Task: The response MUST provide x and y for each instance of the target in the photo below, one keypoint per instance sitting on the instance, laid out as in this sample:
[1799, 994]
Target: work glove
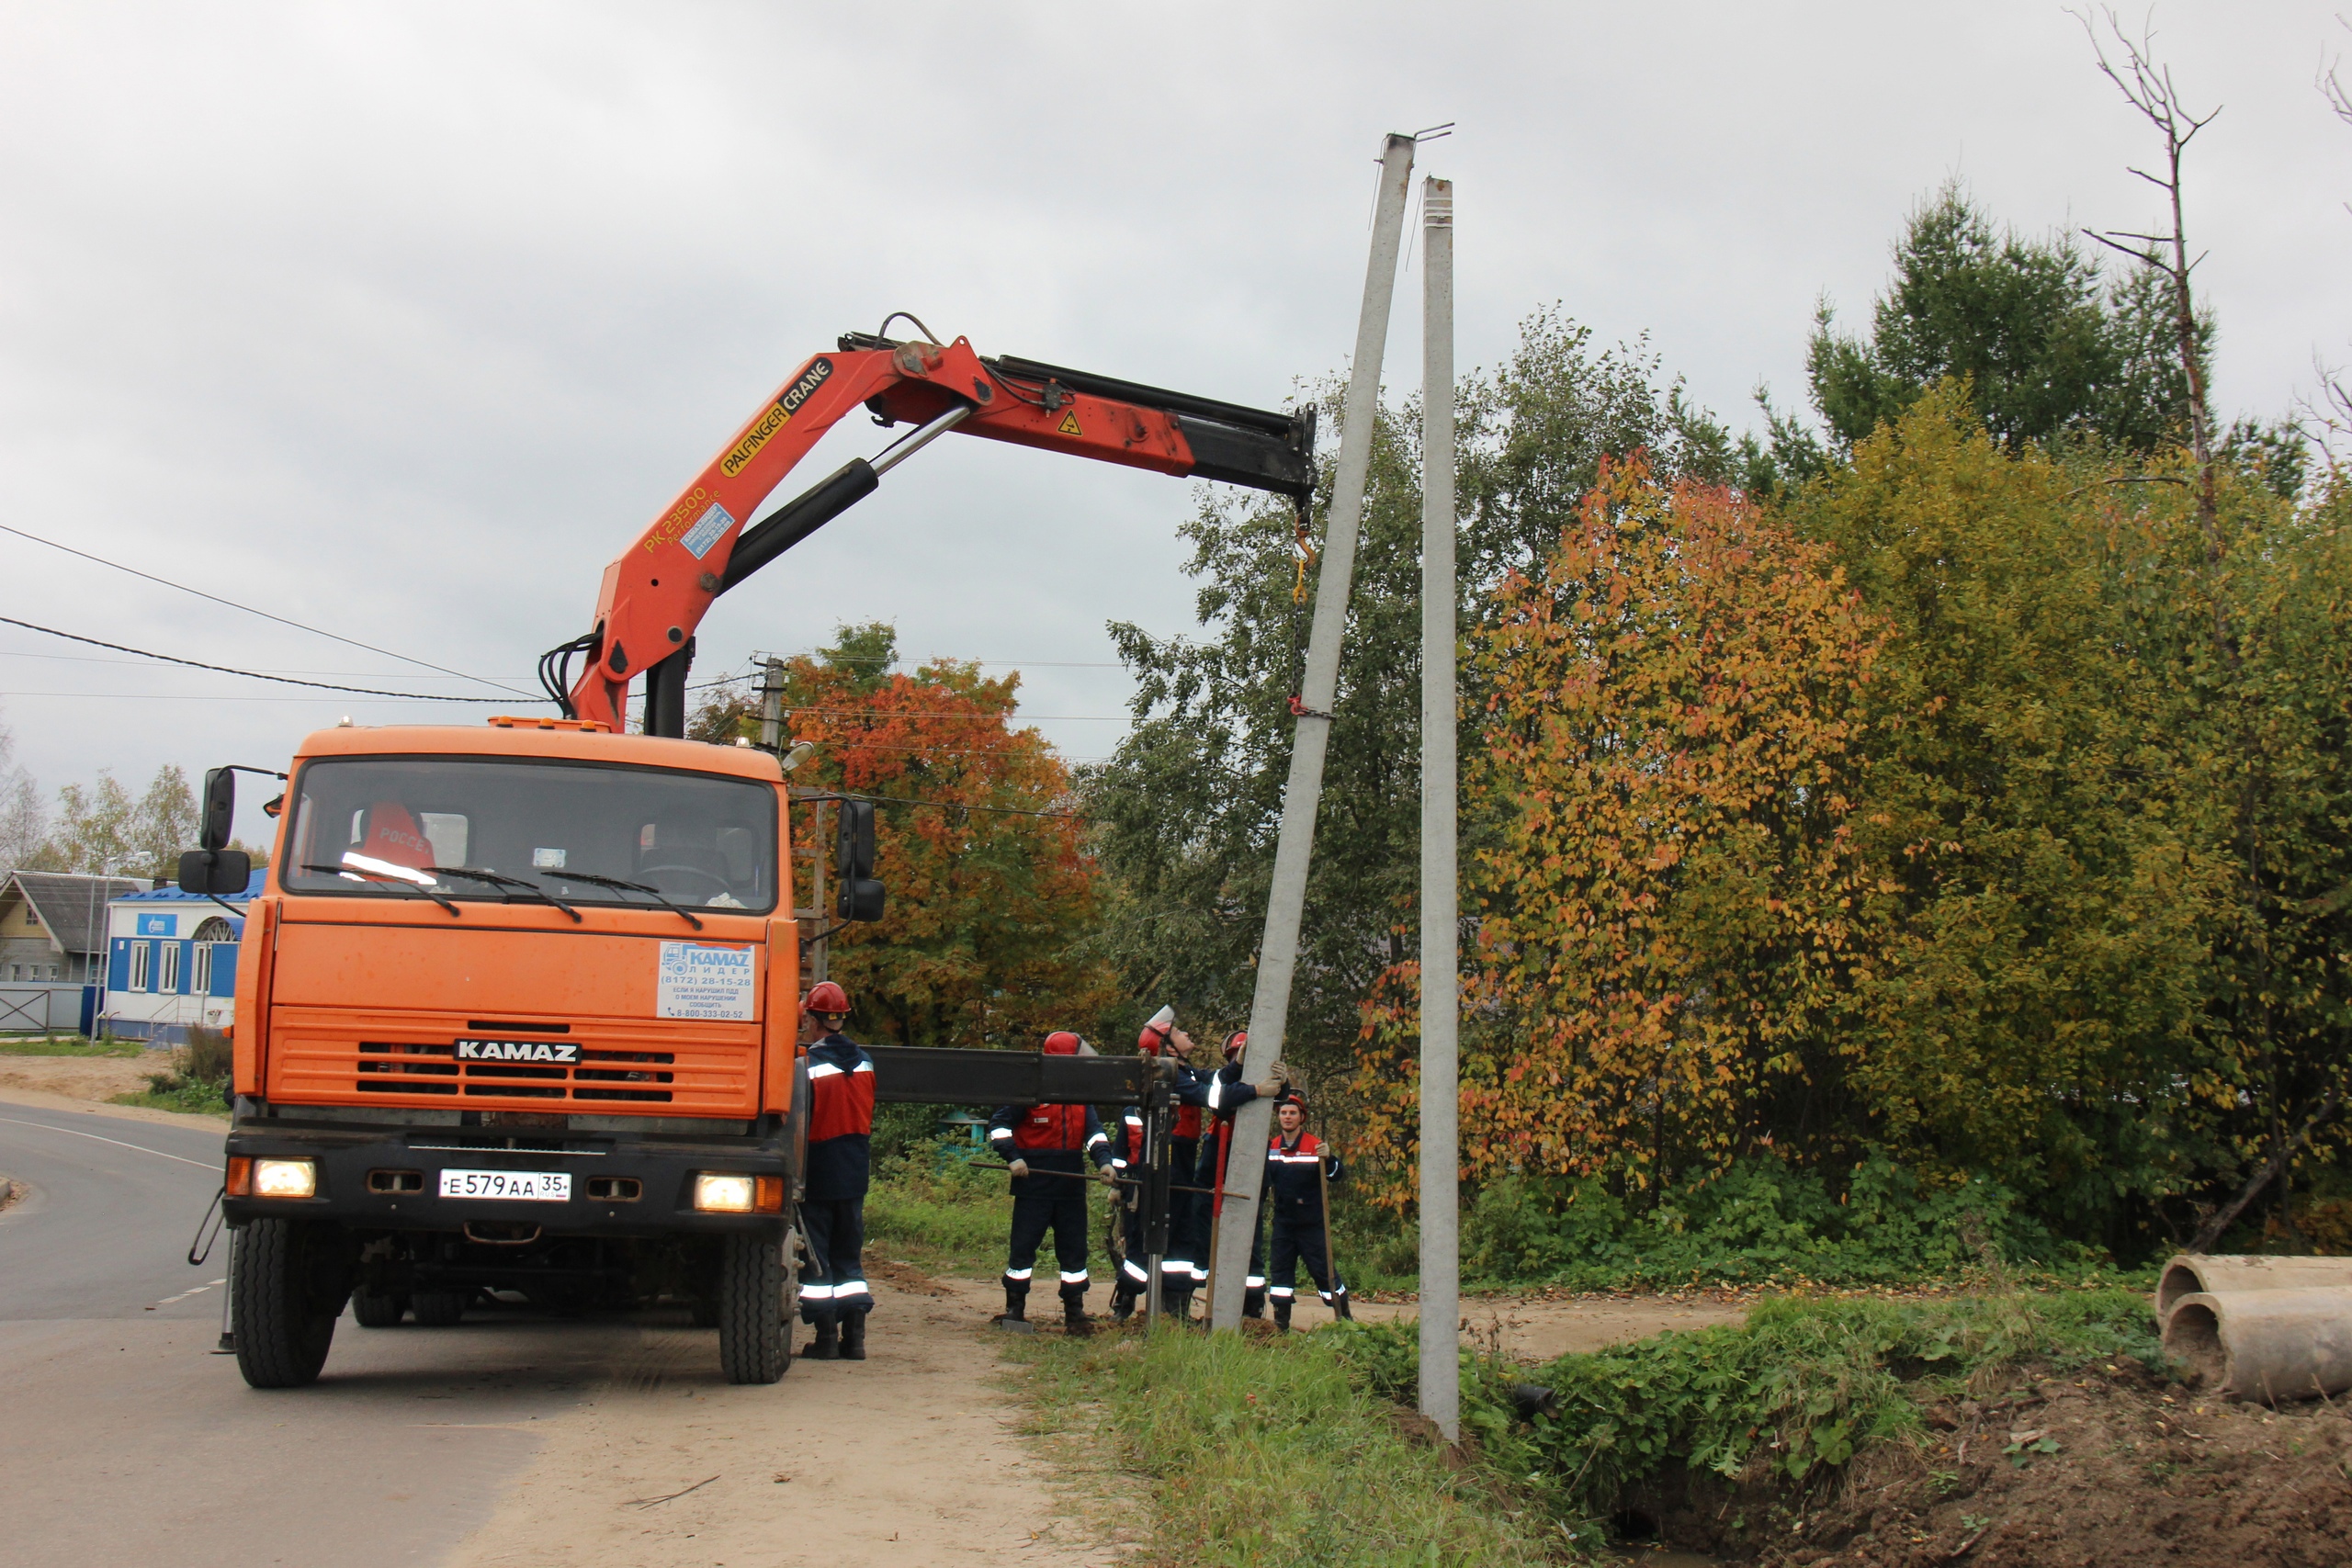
[1110, 1178]
[1269, 1089]
[1020, 1168]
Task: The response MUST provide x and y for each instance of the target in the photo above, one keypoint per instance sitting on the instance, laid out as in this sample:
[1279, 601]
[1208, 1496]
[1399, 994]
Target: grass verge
[69, 1045]
[935, 1211]
[202, 1097]
[1273, 1452]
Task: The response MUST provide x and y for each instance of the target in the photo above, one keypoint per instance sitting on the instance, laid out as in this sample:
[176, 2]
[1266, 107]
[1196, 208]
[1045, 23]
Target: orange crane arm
[659, 589]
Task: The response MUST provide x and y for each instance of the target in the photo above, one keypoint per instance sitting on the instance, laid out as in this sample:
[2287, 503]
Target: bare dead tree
[2326, 417]
[2148, 87]
[2339, 101]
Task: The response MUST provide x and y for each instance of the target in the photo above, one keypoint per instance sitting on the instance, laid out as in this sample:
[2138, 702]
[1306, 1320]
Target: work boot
[854, 1338]
[1123, 1306]
[1340, 1308]
[1177, 1306]
[1281, 1317]
[1075, 1322]
[1016, 1303]
[827, 1347]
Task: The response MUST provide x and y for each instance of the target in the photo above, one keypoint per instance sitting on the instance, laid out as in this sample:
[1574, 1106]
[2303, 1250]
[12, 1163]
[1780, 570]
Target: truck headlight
[285, 1178]
[721, 1194]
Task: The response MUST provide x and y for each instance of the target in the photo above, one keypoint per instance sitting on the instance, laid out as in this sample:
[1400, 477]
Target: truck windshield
[704, 842]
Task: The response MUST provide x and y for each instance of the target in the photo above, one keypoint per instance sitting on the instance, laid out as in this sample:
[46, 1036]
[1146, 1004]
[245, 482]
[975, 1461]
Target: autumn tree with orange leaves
[992, 892]
[1662, 858]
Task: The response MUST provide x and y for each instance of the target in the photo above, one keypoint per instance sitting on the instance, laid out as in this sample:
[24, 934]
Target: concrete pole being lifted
[1286, 899]
[1441, 1314]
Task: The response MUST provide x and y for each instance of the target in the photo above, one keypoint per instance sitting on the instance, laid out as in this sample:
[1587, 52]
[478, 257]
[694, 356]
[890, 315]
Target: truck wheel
[752, 1347]
[372, 1311]
[438, 1309]
[284, 1322]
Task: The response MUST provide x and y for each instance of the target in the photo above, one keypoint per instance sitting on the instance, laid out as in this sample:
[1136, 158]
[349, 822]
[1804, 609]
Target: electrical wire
[959, 806]
[249, 674]
[249, 610]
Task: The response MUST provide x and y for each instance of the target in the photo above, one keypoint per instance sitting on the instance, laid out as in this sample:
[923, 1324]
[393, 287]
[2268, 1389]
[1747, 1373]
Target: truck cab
[518, 1009]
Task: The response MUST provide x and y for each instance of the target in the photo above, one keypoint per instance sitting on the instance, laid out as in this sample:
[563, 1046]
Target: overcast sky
[403, 319]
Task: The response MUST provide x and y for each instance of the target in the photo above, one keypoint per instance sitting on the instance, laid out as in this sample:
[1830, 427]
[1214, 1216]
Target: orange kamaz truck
[518, 1009]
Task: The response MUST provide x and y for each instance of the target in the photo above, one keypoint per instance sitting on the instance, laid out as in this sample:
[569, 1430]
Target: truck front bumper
[390, 1179]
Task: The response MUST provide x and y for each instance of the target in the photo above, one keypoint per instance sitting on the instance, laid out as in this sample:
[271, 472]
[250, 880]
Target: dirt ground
[79, 1078]
[2138, 1471]
[910, 1457]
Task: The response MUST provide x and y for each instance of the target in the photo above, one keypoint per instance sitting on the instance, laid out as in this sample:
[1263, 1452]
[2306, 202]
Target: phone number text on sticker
[708, 980]
[525, 1186]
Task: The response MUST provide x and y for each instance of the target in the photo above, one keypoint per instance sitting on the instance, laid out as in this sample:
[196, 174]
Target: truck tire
[752, 1344]
[438, 1309]
[284, 1319]
[372, 1311]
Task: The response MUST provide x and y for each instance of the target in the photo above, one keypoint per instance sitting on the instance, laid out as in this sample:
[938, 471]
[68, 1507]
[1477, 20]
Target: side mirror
[220, 810]
[860, 899]
[215, 873]
[854, 846]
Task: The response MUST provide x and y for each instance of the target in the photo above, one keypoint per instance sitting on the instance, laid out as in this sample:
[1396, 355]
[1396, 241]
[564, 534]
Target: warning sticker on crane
[1069, 425]
[707, 531]
[702, 980]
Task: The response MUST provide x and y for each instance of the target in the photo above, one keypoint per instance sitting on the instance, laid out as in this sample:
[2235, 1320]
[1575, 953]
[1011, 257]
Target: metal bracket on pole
[1318, 692]
[1441, 1316]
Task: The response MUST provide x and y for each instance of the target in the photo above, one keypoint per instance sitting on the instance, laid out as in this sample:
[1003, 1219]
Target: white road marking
[185, 1294]
[118, 1142]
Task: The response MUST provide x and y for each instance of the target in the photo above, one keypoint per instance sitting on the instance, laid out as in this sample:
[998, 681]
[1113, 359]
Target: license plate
[528, 1186]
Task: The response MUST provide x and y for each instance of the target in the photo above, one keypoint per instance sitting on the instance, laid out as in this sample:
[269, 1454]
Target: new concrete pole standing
[1440, 1102]
[1286, 900]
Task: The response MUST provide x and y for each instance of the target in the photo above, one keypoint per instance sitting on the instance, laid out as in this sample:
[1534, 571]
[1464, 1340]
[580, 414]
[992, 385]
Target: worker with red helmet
[1185, 1270]
[833, 1296]
[1048, 1148]
[1227, 1094]
[1299, 1169]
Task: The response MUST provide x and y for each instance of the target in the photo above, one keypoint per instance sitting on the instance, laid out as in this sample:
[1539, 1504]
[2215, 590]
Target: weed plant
[197, 1080]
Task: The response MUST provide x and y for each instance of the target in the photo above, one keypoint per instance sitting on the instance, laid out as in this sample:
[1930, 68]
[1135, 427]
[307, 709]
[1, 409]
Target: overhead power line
[251, 675]
[264, 614]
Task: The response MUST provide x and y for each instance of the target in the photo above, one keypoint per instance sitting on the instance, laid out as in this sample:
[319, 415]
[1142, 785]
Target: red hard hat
[1235, 1041]
[1061, 1043]
[827, 998]
[1151, 1042]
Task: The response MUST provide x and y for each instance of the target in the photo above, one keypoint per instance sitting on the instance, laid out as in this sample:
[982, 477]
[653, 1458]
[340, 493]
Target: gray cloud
[403, 319]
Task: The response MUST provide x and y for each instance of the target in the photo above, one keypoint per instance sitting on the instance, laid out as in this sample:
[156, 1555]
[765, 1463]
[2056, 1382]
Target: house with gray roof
[52, 925]
[52, 940]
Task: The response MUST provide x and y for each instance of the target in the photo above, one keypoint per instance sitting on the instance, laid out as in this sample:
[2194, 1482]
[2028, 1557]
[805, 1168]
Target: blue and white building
[172, 961]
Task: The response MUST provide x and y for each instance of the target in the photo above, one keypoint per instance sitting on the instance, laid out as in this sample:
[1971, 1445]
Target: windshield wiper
[500, 879]
[652, 893]
[386, 880]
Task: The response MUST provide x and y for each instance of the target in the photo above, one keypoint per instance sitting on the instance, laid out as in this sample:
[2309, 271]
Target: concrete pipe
[2194, 1271]
[2264, 1345]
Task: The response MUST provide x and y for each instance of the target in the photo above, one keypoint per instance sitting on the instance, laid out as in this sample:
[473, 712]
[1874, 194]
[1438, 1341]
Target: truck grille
[317, 1056]
[424, 1068]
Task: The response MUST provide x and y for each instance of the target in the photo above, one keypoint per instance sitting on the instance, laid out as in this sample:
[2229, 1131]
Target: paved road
[124, 1440]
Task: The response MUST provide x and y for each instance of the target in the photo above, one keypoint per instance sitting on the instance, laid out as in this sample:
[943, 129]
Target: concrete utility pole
[1440, 1325]
[1286, 900]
